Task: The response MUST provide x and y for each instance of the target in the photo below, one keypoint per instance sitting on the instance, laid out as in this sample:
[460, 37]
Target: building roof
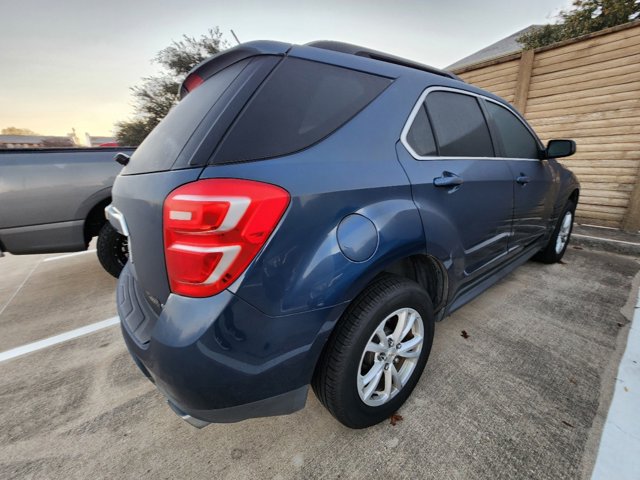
[44, 140]
[95, 141]
[101, 139]
[21, 138]
[502, 47]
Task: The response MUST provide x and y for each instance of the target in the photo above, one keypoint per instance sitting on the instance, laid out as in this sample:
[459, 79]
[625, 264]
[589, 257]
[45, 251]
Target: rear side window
[420, 136]
[163, 145]
[299, 104]
[517, 140]
[459, 125]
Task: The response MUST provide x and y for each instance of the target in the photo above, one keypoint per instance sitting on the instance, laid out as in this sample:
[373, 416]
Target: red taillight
[214, 228]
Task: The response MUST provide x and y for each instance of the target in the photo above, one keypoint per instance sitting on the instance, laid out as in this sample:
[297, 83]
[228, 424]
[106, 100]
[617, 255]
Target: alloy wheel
[564, 232]
[390, 357]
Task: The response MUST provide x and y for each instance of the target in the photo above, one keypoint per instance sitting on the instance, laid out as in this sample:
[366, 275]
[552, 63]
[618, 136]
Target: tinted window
[420, 136]
[300, 103]
[161, 147]
[517, 141]
[459, 125]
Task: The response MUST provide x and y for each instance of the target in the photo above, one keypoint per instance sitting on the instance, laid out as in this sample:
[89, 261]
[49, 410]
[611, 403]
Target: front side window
[459, 125]
[517, 140]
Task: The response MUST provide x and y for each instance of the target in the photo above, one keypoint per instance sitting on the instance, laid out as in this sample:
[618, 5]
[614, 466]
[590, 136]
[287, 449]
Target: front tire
[112, 249]
[376, 354]
[554, 251]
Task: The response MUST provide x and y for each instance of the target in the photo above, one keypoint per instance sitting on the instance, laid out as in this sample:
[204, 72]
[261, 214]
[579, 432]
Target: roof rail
[376, 55]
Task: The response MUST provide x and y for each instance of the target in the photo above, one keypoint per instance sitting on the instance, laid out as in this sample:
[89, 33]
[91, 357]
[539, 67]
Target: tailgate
[139, 198]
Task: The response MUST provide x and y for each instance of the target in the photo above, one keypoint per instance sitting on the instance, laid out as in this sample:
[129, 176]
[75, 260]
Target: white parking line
[67, 255]
[590, 237]
[618, 455]
[4, 307]
[63, 337]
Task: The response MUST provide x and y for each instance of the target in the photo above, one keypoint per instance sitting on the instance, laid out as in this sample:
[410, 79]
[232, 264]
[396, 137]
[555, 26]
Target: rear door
[464, 193]
[532, 177]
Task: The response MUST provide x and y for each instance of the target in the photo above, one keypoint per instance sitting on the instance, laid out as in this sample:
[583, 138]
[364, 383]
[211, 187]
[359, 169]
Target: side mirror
[122, 158]
[560, 148]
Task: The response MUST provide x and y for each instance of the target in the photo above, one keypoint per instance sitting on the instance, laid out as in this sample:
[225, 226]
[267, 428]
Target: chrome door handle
[523, 179]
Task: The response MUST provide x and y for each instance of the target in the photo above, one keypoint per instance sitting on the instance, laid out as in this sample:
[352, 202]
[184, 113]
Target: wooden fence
[587, 89]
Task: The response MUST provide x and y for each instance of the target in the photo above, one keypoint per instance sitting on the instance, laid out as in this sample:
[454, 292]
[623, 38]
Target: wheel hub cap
[390, 356]
[564, 232]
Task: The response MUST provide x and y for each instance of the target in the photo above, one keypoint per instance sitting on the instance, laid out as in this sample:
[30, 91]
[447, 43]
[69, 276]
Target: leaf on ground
[573, 380]
[620, 324]
[577, 247]
[562, 262]
[568, 424]
[464, 334]
[626, 389]
[395, 418]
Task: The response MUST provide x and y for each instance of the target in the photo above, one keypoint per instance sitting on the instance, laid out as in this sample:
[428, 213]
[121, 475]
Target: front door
[532, 177]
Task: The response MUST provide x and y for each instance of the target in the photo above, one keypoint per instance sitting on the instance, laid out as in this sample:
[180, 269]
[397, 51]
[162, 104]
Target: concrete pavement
[524, 396]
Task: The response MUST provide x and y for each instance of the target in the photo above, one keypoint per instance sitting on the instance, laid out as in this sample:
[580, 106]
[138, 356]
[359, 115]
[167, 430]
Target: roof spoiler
[222, 60]
[376, 55]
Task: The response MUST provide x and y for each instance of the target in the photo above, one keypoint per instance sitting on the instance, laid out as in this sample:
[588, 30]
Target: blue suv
[304, 216]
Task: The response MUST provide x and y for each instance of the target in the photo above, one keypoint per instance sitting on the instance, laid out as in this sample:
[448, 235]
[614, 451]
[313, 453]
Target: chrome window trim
[423, 97]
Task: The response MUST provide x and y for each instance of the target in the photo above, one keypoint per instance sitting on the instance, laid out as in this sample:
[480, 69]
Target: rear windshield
[163, 145]
[299, 104]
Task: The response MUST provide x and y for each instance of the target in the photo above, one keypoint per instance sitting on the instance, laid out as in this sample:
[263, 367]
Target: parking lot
[525, 395]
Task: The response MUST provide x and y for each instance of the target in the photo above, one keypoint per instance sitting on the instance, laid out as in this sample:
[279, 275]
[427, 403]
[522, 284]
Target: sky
[70, 64]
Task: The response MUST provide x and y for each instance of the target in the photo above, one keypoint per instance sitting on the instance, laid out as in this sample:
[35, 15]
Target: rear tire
[559, 241]
[112, 249]
[362, 377]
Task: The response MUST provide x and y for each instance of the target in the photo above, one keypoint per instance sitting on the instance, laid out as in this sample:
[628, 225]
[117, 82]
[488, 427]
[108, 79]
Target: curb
[605, 244]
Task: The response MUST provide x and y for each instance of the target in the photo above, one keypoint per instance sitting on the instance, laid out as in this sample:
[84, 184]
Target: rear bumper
[219, 359]
[282, 404]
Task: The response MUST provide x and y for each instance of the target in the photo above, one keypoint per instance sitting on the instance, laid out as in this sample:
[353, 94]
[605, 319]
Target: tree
[17, 131]
[586, 16]
[157, 94]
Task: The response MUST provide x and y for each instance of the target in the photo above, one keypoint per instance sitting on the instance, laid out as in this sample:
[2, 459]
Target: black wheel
[113, 250]
[554, 251]
[374, 358]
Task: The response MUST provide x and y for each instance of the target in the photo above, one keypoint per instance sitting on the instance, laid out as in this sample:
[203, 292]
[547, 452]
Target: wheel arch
[95, 219]
[427, 271]
[575, 195]
[420, 267]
